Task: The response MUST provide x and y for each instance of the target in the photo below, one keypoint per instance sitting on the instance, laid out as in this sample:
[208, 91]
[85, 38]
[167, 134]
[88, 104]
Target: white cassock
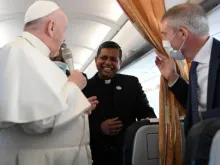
[42, 116]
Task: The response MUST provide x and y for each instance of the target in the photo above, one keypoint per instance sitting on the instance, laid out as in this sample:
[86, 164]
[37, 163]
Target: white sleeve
[77, 105]
[170, 85]
[6, 124]
[39, 127]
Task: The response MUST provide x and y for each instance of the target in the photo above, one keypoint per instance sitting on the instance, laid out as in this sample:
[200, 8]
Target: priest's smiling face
[108, 62]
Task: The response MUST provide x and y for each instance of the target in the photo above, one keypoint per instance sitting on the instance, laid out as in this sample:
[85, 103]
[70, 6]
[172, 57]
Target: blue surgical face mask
[61, 65]
[175, 54]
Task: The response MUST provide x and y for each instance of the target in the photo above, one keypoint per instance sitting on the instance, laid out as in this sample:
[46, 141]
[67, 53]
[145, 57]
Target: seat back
[214, 158]
[199, 141]
[142, 146]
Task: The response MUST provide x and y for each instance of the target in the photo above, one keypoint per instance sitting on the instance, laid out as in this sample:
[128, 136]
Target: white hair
[190, 16]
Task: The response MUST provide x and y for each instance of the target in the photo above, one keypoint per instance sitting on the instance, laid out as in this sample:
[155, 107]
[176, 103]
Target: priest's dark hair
[110, 44]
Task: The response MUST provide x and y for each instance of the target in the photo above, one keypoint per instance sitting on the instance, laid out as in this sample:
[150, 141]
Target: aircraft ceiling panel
[171, 3]
[87, 32]
[14, 6]
[108, 9]
[9, 29]
[213, 16]
[129, 39]
[214, 21]
[80, 55]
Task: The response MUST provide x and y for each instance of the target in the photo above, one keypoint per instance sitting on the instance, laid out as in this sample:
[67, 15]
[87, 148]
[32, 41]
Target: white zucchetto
[40, 9]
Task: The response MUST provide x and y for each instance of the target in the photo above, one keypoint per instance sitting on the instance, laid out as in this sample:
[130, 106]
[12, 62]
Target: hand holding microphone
[76, 76]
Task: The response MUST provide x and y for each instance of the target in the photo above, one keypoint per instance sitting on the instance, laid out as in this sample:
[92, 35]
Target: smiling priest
[43, 117]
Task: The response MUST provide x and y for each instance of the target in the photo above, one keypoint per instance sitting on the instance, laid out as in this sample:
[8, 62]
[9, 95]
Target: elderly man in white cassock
[42, 112]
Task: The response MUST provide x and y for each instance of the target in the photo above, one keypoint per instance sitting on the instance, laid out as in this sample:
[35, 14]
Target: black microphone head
[66, 53]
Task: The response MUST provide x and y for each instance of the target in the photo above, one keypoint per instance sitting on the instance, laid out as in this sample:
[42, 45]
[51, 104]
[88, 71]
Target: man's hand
[111, 126]
[78, 78]
[167, 67]
[93, 101]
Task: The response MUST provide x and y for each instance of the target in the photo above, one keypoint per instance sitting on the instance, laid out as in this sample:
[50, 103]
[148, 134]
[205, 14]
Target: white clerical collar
[107, 81]
[36, 42]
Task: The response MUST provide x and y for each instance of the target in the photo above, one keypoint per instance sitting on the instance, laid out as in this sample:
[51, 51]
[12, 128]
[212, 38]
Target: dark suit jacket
[129, 103]
[181, 89]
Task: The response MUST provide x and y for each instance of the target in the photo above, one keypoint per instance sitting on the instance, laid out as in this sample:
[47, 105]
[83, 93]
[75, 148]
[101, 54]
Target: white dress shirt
[203, 58]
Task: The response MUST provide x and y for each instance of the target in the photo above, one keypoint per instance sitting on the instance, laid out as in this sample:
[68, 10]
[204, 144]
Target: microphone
[68, 58]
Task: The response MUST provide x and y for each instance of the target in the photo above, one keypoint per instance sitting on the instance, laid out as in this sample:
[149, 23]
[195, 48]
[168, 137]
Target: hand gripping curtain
[146, 16]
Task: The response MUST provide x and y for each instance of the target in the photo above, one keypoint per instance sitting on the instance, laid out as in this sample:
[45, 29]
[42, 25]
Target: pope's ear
[51, 28]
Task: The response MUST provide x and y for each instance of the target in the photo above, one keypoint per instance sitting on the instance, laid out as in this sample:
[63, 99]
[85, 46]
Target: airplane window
[149, 76]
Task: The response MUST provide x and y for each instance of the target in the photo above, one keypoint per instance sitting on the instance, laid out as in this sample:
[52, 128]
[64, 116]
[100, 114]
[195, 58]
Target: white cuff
[170, 85]
[38, 127]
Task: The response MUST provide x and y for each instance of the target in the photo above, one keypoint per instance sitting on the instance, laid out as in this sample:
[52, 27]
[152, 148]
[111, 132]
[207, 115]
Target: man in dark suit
[193, 42]
[185, 33]
[121, 102]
